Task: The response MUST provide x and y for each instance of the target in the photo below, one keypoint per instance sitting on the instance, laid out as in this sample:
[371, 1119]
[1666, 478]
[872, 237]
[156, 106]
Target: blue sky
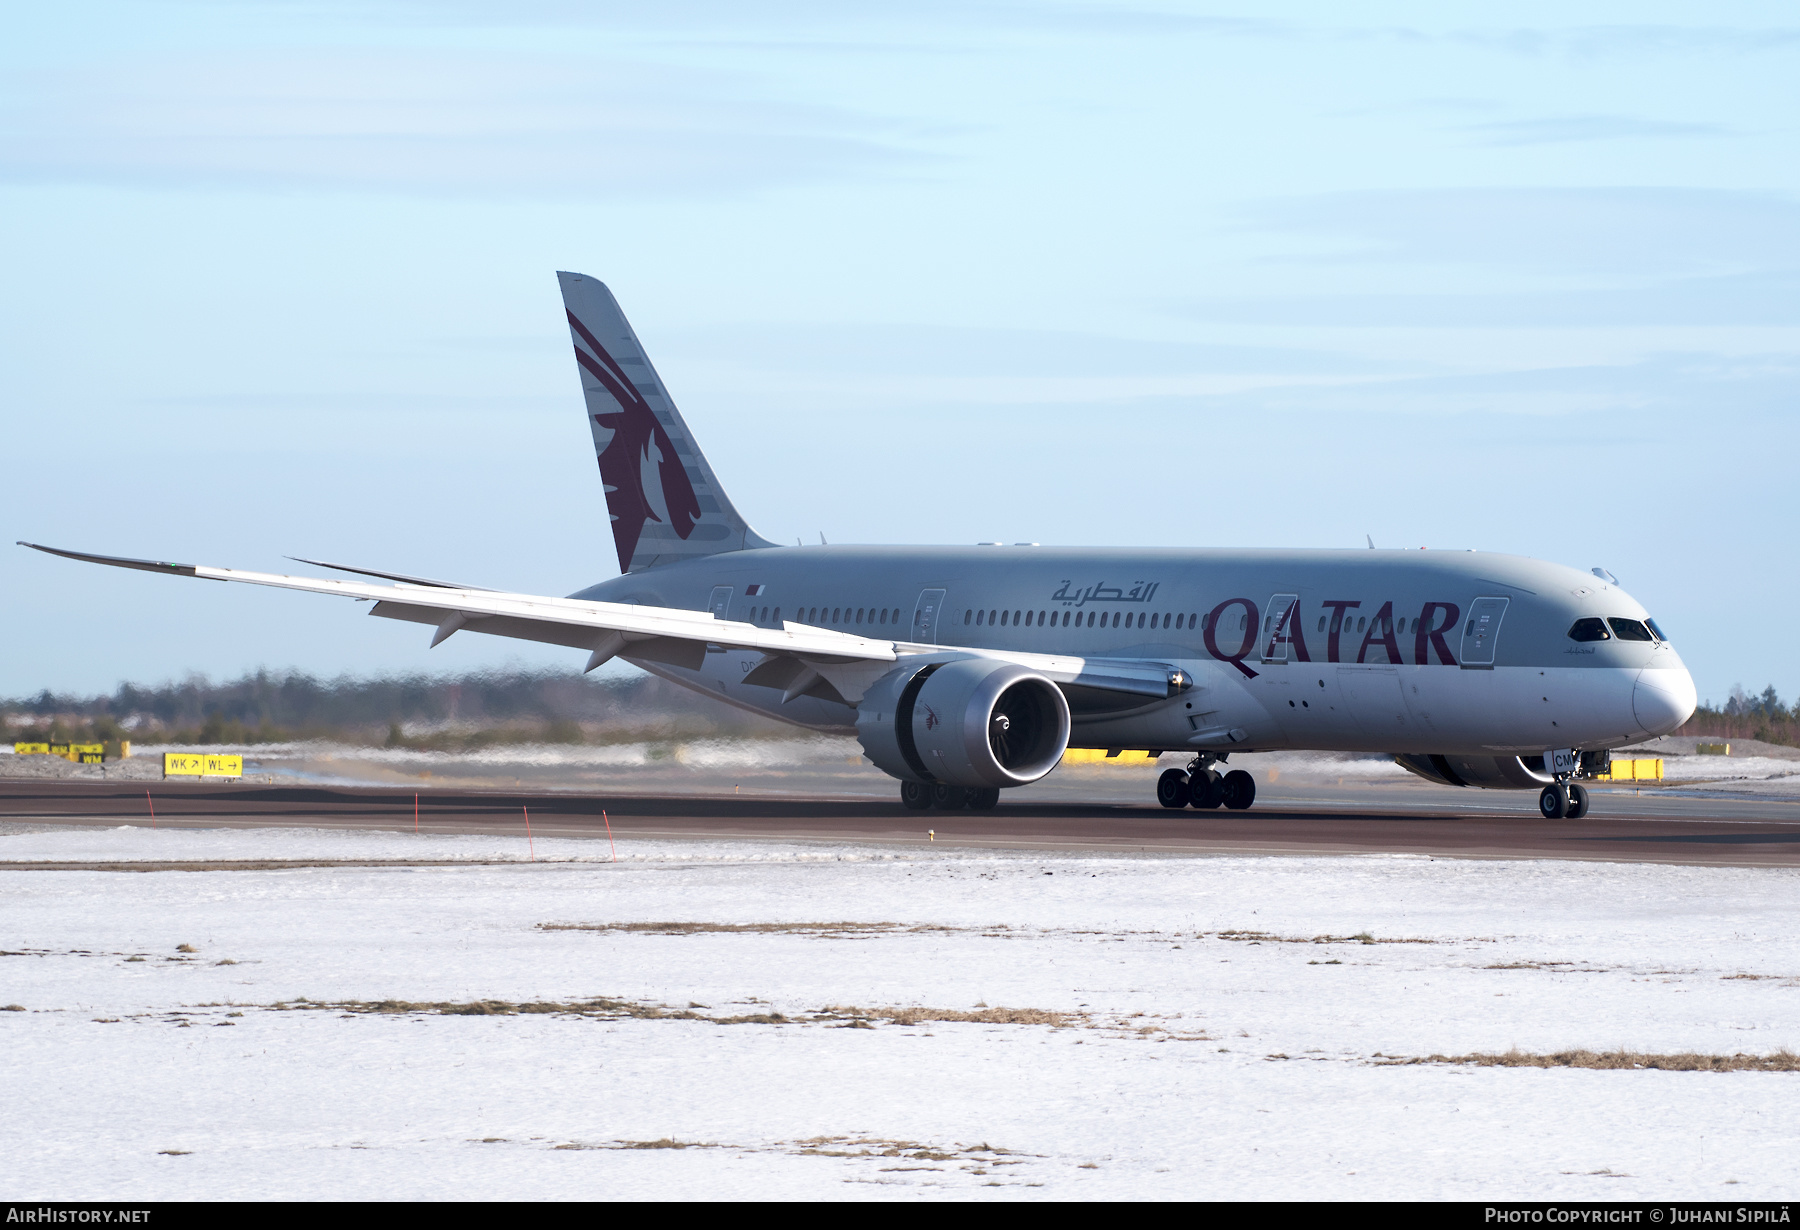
[279, 279]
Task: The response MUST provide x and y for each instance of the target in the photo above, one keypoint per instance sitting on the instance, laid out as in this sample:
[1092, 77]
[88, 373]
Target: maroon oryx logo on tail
[646, 479]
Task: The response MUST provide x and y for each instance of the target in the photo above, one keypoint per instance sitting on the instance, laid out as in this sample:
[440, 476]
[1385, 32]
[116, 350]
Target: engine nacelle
[973, 722]
[1488, 772]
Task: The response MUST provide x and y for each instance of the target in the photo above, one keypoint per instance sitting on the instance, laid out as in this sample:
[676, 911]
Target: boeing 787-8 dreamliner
[964, 671]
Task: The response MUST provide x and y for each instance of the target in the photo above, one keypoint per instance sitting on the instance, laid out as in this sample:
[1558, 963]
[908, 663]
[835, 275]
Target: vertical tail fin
[666, 504]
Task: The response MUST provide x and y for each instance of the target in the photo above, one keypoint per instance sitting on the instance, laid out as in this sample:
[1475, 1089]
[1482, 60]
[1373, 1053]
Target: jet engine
[1488, 772]
[972, 722]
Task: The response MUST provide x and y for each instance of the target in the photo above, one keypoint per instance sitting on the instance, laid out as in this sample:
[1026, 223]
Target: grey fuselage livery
[1374, 651]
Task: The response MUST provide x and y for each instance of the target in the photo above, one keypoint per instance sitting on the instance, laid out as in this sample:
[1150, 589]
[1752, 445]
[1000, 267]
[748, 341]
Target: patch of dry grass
[1269, 937]
[770, 928]
[603, 1008]
[1621, 1060]
[978, 1016]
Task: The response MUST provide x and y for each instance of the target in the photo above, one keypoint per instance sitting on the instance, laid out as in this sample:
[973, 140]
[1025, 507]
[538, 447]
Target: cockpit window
[1630, 629]
[1660, 634]
[1589, 630]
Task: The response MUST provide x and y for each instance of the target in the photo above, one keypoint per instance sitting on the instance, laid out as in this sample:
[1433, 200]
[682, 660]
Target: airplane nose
[1663, 699]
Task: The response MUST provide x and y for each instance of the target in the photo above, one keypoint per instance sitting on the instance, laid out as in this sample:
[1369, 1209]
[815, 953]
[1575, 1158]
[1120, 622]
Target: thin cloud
[1566, 128]
[432, 123]
[1635, 234]
[1753, 300]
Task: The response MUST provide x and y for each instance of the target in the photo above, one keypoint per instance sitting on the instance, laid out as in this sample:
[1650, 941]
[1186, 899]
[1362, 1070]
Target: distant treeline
[439, 711]
[1743, 716]
[451, 712]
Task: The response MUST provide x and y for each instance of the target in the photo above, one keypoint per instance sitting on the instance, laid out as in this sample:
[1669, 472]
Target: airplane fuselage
[1430, 652]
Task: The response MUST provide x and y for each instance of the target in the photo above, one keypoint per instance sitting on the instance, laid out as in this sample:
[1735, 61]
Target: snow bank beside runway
[1129, 1026]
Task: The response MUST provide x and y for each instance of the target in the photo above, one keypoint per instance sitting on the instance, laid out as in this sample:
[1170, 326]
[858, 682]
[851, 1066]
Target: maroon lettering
[1381, 628]
[1252, 619]
[1424, 631]
[1338, 606]
[1287, 631]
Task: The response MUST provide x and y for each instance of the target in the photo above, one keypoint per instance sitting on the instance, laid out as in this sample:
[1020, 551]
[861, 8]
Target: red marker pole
[609, 840]
[528, 842]
[147, 799]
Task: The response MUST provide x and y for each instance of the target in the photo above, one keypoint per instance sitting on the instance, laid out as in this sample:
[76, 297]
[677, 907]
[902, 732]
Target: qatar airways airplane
[964, 671]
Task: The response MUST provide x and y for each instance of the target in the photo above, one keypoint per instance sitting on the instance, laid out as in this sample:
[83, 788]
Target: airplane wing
[605, 629]
[663, 634]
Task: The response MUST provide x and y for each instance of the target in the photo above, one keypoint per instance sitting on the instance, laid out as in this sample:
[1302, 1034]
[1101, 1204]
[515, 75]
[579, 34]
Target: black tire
[1578, 801]
[1204, 792]
[984, 800]
[1553, 802]
[1239, 789]
[915, 795]
[1172, 789]
[946, 797]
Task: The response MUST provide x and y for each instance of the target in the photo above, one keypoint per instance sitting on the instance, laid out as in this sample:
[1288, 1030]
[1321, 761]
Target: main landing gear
[1563, 801]
[1200, 786]
[918, 796]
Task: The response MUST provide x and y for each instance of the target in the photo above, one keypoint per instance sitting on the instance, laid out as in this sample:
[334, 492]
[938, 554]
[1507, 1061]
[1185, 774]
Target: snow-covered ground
[1179, 1027]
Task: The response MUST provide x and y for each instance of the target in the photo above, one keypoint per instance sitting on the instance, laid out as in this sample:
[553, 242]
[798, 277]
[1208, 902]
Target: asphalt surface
[1622, 825]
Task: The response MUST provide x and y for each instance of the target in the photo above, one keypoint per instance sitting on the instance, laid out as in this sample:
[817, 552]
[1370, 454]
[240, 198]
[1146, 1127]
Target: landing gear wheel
[1578, 801]
[1554, 802]
[1172, 789]
[1203, 790]
[915, 795]
[1239, 789]
[949, 798]
[984, 800]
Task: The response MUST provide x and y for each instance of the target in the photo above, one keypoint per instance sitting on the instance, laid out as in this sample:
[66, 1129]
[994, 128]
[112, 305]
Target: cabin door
[1481, 631]
[1283, 612]
[720, 602]
[927, 615]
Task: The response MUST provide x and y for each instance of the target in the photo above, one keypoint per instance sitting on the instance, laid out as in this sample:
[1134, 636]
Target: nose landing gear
[1563, 801]
[1200, 787]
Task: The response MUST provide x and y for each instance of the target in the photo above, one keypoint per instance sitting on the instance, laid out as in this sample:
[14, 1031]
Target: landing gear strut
[1199, 786]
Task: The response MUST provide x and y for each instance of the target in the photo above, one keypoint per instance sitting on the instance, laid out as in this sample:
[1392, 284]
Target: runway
[1311, 820]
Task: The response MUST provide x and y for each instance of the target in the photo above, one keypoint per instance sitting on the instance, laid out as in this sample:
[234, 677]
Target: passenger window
[1321, 623]
[1090, 622]
[993, 616]
[777, 614]
[1630, 630]
[1589, 630]
[835, 612]
[968, 617]
[859, 614]
[1360, 624]
[1140, 619]
[765, 615]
